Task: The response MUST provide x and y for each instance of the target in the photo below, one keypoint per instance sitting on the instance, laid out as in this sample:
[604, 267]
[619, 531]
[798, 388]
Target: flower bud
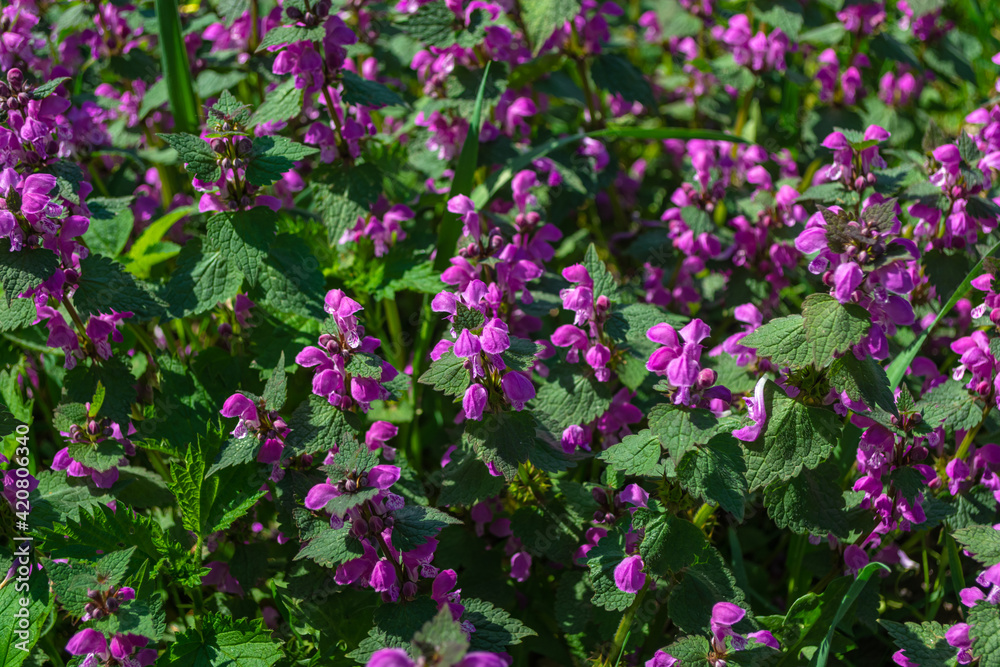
[359, 528]
[598, 516]
[859, 183]
[23, 98]
[72, 276]
[409, 590]
[350, 486]
[294, 13]
[15, 78]
[706, 378]
[244, 146]
[4, 90]
[309, 19]
[376, 525]
[219, 146]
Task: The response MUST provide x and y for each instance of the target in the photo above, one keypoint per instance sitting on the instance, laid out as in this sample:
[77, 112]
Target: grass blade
[451, 228]
[823, 652]
[897, 369]
[176, 70]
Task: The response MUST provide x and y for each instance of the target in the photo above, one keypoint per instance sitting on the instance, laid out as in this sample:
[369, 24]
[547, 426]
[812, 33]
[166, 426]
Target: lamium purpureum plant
[479, 334]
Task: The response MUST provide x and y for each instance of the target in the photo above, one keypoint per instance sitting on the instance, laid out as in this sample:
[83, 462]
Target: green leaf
[415, 524]
[111, 223]
[330, 547]
[368, 93]
[194, 151]
[795, 436]
[119, 392]
[637, 454]
[602, 561]
[983, 542]
[101, 456]
[176, 69]
[680, 429]
[450, 229]
[823, 652]
[432, 24]
[235, 452]
[985, 634]
[567, 397]
[200, 281]
[395, 625]
[923, 643]
[705, 583]
[142, 251]
[951, 405]
[832, 327]
[101, 529]
[897, 369]
[789, 22]
[316, 426]
[17, 314]
[496, 629]
[783, 340]
[448, 374]
[604, 282]
[344, 195]
[863, 380]
[505, 439]
[24, 269]
[810, 503]
[544, 17]
[273, 156]
[280, 104]
[716, 472]
[105, 286]
[468, 481]
[290, 279]
[614, 73]
[223, 641]
[243, 237]
[670, 544]
[15, 647]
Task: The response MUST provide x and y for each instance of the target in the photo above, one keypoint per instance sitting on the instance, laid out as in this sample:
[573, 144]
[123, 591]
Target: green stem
[625, 627]
[705, 513]
[396, 331]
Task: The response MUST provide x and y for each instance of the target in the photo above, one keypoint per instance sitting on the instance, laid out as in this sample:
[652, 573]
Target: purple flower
[517, 388]
[958, 636]
[661, 659]
[629, 576]
[756, 411]
[474, 401]
[240, 406]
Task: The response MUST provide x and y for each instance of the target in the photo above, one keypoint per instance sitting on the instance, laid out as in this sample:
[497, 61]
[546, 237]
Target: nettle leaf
[280, 104]
[395, 625]
[716, 472]
[811, 503]
[496, 629]
[415, 524]
[436, 25]
[863, 380]
[882, 216]
[680, 429]
[223, 640]
[795, 436]
[24, 269]
[983, 542]
[467, 481]
[111, 222]
[467, 318]
[352, 458]
[289, 34]
[448, 375]
[783, 340]
[329, 547]
[604, 282]
[637, 454]
[17, 599]
[951, 405]
[922, 643]
[704, 583]
[197, 154]
[520, 356]
[70, 582]
[243, 238]
[100, 456]
[16, 314]
[445, 635]
[368, 93]
[985, 634]
[200, 280]
[567, 397]
[544, 17]
[100, 529]
[290, 279]
[344, 195]
[236, 451]
[276, 388]
[119, 393]
[614, 73]
[273, 156]
[316, 426]
[505, 439]
[789, 22]
[229, 108]
[602, 561]
[832, 327]
[105, 286]
[670, 544]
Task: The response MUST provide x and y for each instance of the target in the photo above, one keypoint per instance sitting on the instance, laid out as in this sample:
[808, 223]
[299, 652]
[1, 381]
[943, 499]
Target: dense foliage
[491, 332]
